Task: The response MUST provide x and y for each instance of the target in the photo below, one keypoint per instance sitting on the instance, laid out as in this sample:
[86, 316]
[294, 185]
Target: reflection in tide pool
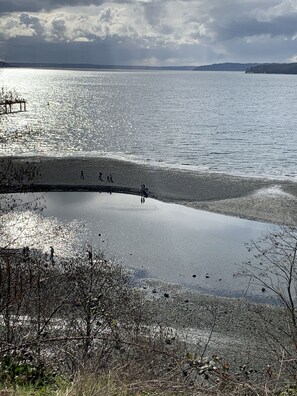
[169, 242]
[165, 241]
[32, 230]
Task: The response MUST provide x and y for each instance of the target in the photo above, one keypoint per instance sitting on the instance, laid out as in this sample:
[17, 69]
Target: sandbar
[269, 200]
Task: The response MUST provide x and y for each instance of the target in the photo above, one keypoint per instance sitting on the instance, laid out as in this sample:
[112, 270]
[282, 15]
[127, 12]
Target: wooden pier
[7, 106]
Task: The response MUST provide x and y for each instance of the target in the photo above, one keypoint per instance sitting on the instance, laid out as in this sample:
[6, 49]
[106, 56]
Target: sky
[148, 32]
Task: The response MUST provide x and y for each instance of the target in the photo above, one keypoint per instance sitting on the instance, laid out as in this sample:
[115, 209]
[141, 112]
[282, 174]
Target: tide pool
[169, 242]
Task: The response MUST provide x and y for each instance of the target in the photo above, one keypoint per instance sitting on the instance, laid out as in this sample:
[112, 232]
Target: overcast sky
[148, 32]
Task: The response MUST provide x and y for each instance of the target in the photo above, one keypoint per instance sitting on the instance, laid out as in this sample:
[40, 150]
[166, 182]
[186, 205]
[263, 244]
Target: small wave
[273, 191]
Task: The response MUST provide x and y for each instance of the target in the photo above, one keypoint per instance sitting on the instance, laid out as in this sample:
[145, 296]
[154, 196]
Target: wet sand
[273, 201]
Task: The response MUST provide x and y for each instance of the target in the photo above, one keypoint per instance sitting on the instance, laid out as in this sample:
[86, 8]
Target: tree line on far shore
[274, 68]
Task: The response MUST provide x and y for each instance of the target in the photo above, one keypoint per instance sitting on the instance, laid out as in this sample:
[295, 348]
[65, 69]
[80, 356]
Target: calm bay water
[167, 242]
[224, 122]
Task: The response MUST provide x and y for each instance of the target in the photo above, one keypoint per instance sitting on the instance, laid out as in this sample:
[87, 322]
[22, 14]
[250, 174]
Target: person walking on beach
[90, 255]
[52, 253]
[26, 251]
[143, 191]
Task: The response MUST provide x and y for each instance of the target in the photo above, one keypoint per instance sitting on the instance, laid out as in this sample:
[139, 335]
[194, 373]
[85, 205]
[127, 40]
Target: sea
[227, 122]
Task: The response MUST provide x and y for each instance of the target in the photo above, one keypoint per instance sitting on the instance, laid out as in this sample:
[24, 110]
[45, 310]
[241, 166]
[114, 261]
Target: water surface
[168, 242]
[212, 121]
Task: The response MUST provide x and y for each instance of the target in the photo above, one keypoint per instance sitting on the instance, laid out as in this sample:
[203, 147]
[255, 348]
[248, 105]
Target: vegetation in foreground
[77, 327]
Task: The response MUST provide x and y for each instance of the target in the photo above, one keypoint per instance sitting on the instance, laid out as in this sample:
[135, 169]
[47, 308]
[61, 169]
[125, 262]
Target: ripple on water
[233, 125]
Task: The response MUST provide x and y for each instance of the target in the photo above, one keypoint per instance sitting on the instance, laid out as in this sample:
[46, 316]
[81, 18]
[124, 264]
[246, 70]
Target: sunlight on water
[38, 232]
[222, 122]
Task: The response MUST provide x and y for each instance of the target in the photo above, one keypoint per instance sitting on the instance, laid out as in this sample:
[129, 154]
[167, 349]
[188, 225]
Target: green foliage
[289, 391]
[20, 368]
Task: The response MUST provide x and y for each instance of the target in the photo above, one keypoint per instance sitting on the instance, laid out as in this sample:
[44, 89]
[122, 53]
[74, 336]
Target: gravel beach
[234, 329]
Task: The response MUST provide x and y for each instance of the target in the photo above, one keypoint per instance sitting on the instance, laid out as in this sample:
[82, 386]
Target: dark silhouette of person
[143, 191]
[100, 176]
[52, 253]
[82, 176]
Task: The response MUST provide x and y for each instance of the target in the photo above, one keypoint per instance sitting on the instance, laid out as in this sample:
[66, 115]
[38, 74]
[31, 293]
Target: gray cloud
[105, 52]
[249, 24]
[148, 31]
[108, 51]
[7, 6]
[152, 13]
[32, 22]
[58, 29]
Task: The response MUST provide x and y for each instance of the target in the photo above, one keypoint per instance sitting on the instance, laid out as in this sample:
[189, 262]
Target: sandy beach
[273, 201]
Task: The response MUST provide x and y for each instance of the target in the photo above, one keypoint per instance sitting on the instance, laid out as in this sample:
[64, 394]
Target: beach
[227, 325]
[268, 200]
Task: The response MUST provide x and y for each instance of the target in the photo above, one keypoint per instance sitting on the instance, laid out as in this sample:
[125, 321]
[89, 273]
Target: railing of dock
[11, 102]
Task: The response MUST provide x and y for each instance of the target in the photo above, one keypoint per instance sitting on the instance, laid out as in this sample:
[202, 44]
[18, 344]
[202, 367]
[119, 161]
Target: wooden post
[7, 106]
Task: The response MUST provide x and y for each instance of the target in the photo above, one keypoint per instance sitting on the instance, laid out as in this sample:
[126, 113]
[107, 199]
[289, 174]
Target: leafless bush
[272, 269]
[84, 305]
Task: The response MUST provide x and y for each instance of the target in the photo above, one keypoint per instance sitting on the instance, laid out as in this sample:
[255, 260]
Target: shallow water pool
[169, 242]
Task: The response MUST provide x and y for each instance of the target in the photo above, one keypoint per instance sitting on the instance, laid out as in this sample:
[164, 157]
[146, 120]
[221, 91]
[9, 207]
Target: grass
[124, 381]
[91, 385]
[112, 385]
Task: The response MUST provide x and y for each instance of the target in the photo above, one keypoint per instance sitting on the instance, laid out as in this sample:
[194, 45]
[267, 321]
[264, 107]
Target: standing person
[52, 253]
[90, 254]
[82, 176]
[143, 191]
[100, 176]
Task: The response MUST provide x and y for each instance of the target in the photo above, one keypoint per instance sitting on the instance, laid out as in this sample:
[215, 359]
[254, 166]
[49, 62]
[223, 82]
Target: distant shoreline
[266, 68]
[273, 201]
[274, 68]
[86, 66]
[226, 66]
